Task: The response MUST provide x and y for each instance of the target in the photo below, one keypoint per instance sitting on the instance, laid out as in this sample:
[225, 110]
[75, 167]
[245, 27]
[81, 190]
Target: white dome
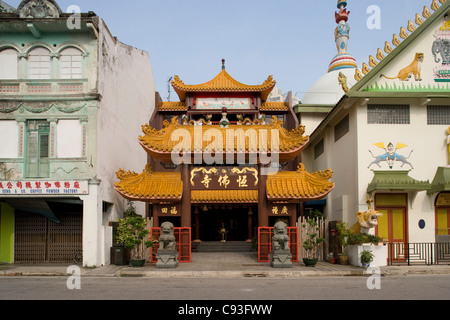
[327, 90]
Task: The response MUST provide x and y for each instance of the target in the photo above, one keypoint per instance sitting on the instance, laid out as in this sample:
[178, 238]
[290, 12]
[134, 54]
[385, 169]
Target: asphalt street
[417, 287]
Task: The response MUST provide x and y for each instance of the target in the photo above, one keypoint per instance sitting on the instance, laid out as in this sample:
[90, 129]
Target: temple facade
[223, 156]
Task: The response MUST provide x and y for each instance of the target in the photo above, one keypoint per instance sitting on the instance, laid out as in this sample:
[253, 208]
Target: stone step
[233, 246]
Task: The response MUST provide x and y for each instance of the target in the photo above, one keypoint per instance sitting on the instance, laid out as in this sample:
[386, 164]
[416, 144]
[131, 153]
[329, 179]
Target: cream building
[386, 138]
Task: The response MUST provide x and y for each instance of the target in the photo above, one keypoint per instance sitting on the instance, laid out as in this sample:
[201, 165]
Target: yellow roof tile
[224, 196]
[150, 186]
[290, 186]
[223, 82]
[159, 144]
[274, 106]
[172, 106]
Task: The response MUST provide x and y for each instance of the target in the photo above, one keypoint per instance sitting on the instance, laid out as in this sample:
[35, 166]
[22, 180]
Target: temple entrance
[234, 219]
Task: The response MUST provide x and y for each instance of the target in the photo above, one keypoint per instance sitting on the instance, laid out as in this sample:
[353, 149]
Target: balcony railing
[43, 87]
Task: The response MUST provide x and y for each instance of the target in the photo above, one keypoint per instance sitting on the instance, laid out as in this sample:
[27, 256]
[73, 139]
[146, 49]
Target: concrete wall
[127, 87]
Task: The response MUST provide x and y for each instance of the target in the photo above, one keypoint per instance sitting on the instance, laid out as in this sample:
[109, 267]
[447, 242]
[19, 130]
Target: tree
[131, 232]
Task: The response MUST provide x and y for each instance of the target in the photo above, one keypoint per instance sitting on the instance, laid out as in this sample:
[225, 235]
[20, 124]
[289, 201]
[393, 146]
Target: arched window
[8, 64]
[39, 64]
[71, 63]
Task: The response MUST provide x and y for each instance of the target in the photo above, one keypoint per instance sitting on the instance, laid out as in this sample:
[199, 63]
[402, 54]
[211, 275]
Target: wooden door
[443, 221]
[392, 225]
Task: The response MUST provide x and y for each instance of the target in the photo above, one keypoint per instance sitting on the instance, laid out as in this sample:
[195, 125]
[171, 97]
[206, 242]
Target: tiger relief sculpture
[415, 68]
[366, 221]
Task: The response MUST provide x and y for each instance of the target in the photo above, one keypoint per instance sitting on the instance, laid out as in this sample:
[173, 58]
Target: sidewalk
[219, 265]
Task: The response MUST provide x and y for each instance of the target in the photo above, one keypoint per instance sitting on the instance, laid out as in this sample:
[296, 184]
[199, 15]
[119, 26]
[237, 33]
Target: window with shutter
[39, 64]
[8, 64]
[38, 165]
[71, 64]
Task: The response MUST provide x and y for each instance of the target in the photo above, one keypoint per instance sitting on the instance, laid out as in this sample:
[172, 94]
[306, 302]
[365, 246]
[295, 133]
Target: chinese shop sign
[224, 178]
[169, 210]
[27, 187]
[282, 210]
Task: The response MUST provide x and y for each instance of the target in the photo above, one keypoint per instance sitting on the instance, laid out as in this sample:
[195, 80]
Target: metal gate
[418, 253]
[183, 243]
[265, 243]
[39, 240]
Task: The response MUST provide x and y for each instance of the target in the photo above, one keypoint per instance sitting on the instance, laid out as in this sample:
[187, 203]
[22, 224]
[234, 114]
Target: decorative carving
[415, 68]
[167, 255]
[343, 82]
[281, 254]
[39, 9]
[167, 238]
[366, 220]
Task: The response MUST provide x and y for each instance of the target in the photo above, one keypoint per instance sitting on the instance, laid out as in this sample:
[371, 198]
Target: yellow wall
[6, 233]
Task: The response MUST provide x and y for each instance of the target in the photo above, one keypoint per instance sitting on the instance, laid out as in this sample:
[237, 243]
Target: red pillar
[263, 203]
[186, 220]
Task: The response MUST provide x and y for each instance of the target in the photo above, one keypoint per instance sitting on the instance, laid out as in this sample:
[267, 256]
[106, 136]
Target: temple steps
[232, 246]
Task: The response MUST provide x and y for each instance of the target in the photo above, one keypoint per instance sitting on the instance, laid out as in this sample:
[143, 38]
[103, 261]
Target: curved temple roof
[167, 187]
[150, 186]
[223, 82]
[175, 138]
[299, 185]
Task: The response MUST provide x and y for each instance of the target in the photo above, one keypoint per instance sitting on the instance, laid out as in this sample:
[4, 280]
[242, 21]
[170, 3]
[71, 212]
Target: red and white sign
[29, 187]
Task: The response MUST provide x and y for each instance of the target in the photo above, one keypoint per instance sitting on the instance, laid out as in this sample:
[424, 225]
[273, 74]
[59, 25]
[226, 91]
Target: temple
[224, 156]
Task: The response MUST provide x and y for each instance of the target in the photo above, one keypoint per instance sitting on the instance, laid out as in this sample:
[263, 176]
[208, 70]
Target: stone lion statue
[167, 238]
[366, 221]
[280, 239]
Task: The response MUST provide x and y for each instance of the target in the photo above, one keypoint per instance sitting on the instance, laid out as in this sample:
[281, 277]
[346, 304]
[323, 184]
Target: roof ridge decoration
[396, 40]
[343, 59]
[223, 82]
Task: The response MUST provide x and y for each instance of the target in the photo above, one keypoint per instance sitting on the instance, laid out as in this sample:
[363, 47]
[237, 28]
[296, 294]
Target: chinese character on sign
[164, 210]
[67, 185]
[224, 181]
[9, 185]
[48, 185]
[38, 185]
[19, 184]
[275, 210]
[284, 211]
[76, 185]
[58, 184]
[174, 211]
[206, 181]
[242, 182]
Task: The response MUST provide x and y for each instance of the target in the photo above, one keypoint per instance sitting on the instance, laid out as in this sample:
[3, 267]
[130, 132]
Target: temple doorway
[235, 219]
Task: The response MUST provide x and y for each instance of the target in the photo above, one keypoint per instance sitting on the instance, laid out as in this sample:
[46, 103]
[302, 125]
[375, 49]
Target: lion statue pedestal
[281, 255]
[167, 255]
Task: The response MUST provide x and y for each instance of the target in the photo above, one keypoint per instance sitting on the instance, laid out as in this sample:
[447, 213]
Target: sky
[293, 40]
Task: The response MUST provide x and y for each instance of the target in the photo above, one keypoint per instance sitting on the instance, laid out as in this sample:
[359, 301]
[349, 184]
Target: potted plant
[344, 236]
[131, 232]
[312, 240]
[366, 257]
